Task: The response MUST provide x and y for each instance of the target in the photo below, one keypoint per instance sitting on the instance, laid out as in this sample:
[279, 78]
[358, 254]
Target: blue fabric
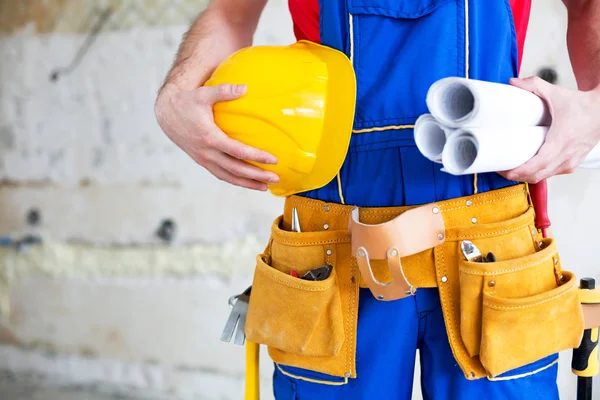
[399, 48]
[389, 335]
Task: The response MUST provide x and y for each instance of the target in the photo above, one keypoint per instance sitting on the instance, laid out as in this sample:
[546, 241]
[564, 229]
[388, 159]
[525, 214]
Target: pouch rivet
[556, 261]
[491, 283]
[326, 208]
[533, 232]
[326, 226]
[469, 203]
[436, 210]
[328, 252]
[444, 279]
[347, 374]
[474, 220]
[361, 253]
[380, 297]
[353, 279]
[393, 253]
[440, 236]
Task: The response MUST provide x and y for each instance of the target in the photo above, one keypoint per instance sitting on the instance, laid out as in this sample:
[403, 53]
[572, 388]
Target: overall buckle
[411, 232]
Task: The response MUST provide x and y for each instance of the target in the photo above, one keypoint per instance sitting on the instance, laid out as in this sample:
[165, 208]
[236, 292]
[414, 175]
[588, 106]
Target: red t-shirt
[305, 15]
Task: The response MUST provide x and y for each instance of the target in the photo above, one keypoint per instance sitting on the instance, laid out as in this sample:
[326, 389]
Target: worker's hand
[187, 119]
[574, 131]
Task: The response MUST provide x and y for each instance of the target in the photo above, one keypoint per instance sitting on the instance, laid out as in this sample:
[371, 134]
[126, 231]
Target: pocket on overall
[518, 310]
[294, 315]
[393, 92]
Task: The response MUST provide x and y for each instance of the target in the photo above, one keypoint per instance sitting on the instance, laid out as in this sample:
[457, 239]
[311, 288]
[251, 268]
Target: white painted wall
[105, 302]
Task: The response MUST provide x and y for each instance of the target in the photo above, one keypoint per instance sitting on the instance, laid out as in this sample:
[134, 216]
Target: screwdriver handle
[539, 198]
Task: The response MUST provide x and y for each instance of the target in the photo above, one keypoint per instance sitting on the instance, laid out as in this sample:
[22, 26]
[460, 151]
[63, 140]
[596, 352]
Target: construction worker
[350, 343]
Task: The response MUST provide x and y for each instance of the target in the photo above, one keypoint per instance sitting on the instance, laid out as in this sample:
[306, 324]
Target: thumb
[535, 85]
[223, 92]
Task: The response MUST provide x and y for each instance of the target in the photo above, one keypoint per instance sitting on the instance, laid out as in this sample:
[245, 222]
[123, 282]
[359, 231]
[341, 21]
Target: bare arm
[583, 41]
[575, 128]
[184, 107]
[223, 28]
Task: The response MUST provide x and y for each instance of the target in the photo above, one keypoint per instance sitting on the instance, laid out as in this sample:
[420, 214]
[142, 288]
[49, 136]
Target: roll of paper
[430, 137]
[468, 103]
[479, 150]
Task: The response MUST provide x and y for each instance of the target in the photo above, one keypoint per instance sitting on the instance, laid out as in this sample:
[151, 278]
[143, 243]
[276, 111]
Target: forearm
[217, 33]
[583, 41]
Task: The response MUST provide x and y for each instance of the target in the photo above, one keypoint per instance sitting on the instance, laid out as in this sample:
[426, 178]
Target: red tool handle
[539, 196]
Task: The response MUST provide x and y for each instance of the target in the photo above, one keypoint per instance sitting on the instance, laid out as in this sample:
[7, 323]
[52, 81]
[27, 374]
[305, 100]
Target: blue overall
[398, 49]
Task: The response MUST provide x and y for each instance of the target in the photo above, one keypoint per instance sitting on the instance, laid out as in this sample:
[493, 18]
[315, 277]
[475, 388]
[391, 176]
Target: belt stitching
[305, 204]
[449, 238]
[503, 271]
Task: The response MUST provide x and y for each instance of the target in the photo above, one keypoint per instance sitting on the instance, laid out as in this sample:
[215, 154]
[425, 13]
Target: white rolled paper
[430, 137]
[479, 150]
[464, 103]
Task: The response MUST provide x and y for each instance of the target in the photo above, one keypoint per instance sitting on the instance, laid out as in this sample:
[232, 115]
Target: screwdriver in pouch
[472, 253]
[295, 220]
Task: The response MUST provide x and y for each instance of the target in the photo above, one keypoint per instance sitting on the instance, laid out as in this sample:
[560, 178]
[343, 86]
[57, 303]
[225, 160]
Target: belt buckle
[398, 288]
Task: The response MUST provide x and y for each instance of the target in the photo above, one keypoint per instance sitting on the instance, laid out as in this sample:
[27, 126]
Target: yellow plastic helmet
[299, 106]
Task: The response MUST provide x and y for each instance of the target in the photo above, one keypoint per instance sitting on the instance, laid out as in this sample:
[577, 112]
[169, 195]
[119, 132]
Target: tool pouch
[301, 322]
[294, 315]
[519, 309]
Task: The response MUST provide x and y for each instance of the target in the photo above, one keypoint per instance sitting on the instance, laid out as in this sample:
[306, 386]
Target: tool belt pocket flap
[519, 331]
[519, 310]
[294, 315]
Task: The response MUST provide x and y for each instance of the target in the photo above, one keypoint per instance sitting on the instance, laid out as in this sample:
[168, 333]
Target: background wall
[141, 248]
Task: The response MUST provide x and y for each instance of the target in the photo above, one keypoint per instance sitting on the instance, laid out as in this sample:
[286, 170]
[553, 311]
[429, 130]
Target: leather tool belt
[498, 316]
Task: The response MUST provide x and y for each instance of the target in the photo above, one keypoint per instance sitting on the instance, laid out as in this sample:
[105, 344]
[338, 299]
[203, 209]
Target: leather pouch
[518, 310]
[294, 315]
[304, 323]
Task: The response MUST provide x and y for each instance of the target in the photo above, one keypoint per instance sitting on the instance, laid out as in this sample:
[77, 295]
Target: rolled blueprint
[478, 150]
[466, 103]
[430, 137]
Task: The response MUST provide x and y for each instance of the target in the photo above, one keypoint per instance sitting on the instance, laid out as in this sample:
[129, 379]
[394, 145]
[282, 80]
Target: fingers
[242, 151]
[218, 140]
[538, 168]
[228, 177]
[239, 168]
[535, 85]
[224, 92]
[213, 137]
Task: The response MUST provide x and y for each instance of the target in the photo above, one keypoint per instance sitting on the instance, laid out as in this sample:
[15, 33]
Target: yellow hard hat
[299, 106]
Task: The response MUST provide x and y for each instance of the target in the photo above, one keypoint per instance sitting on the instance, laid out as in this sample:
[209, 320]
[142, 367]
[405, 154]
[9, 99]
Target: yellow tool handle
[585, 358]
[252, 371]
